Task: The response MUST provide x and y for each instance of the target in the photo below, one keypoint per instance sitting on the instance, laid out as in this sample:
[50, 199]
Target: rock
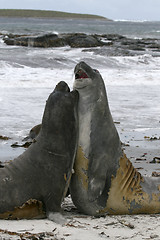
[48, 40]
[4, 138]
[155, 160]
[111, 44]
[112, 37]
[25, 145]
[9, 41]
[1, 165]
[74, 40]
[81, 40]
[154, 138]
[155, 174]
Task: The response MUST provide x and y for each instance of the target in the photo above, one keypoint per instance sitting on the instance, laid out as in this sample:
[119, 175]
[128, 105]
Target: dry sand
[75, 226]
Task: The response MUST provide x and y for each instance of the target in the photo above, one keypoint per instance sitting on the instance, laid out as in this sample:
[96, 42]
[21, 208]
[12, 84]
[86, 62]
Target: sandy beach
[78, 227]
[140, 134]
[72, 225]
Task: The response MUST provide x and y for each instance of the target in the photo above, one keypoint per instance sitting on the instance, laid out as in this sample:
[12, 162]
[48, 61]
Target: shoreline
[111, 44]
[141, 149]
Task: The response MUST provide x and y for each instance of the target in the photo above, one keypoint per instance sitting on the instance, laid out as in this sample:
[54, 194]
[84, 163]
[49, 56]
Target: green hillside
[45, 14]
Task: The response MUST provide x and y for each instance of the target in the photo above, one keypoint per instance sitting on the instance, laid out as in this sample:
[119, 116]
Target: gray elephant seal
[41, 175]
[36, 129]
[105, 180]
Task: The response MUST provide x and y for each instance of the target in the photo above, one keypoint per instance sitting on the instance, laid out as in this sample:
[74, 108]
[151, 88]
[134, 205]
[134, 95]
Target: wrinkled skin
[43, 171]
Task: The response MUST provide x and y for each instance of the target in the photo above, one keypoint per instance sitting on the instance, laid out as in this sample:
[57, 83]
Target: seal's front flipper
[97, 179]
[95, 189]
[32, 209]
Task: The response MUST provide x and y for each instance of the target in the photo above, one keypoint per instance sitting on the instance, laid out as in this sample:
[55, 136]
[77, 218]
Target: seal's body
[99, 147]
[43, 171]
[105, 180]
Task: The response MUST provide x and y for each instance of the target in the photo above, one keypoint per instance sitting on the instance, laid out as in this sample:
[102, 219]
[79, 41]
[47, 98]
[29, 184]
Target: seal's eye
[81, 74]
[96, 70]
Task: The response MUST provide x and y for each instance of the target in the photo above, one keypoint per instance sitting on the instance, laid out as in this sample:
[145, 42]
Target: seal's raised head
[83, 70]
[86, 76]
[60, 106]
[62, 86]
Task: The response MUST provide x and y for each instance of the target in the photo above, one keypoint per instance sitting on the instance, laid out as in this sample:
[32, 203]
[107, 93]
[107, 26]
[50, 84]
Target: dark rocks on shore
[114, 44]
[75, 40]
[48, 40]
[4, 138]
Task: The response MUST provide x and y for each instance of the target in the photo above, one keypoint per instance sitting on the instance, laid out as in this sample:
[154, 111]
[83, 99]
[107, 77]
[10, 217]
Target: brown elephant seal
[105, 180]
[41, 175]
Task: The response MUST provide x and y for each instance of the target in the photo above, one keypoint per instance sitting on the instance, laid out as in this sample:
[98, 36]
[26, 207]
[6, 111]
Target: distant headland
[46, 14]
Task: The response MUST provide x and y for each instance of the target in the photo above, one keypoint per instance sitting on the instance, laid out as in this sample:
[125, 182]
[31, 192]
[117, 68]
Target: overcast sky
[113, 9]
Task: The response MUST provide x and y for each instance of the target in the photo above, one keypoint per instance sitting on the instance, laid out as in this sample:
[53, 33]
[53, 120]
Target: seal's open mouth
[81, 74]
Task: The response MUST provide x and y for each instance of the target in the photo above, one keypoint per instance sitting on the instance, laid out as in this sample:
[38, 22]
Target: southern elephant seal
[105, 180]
[33, 133]
[41, 175]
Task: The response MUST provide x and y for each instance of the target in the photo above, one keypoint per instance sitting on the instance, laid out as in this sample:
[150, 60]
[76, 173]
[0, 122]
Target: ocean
[28, 75]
